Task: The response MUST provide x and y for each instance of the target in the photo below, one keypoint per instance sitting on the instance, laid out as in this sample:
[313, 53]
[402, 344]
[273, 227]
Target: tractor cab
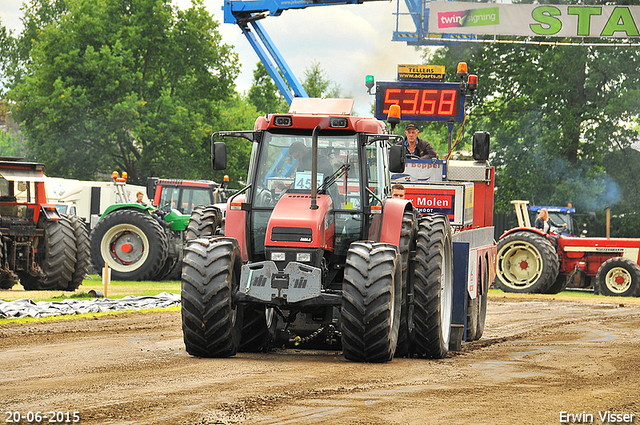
[319, 178]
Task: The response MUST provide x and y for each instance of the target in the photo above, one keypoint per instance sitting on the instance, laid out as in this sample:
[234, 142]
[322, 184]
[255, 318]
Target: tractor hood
[294, 224]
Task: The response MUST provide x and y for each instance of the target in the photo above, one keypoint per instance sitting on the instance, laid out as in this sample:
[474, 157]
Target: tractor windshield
[282, 162]
[285, 163]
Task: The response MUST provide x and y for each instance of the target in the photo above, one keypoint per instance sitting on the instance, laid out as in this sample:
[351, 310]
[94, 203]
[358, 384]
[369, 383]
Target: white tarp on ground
[27, 308]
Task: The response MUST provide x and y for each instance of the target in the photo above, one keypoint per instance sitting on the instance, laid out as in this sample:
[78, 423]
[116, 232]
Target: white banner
[533, 20]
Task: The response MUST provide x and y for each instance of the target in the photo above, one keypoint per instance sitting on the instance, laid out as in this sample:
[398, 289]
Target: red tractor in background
[530, 261]
[316, 252]
[41, 248]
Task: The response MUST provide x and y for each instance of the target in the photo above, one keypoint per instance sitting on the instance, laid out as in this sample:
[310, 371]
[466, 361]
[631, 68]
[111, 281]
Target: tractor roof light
[394, 116]
[226, 177]
[338, 122]
[283, 121]
[462, 69]
[472, 84]
[116, 177]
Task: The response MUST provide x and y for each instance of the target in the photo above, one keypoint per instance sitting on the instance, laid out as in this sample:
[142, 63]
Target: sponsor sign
[442, 202]
[420, 72]
[534, 20]
[422, 170]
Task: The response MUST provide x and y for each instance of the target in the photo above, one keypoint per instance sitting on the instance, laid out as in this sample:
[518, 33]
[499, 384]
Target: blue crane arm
[247, 15]
[237, 10]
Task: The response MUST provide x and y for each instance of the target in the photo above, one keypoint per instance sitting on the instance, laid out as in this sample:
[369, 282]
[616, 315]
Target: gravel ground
[541, 360]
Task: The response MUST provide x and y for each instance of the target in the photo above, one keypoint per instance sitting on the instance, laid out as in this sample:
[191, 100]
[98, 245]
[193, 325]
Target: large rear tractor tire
[526, 263]
[433, 287]
[619, 277]
[56, 258]
[205, 221]
[133, 244]
[211, 322]
[407, 244]
[83, 252]
[371, 302]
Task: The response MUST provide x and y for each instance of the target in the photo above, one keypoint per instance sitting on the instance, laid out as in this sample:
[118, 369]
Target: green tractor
[144, 242]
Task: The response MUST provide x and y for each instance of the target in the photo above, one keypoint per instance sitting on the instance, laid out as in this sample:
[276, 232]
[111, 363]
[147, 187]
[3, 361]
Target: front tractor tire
[619, 277]
[133, 244]
[211, 322]
[433, 287]
[526, 263]
[371, 302]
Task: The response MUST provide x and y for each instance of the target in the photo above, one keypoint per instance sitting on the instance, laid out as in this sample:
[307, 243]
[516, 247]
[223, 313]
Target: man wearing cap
[417, 147]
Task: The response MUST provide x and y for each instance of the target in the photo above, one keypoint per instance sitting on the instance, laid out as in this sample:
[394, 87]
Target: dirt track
[538, 358]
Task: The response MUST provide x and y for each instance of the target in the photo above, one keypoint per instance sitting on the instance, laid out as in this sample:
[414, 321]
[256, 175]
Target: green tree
[264, 94]
[7, 55]
[553, 112]
[130, 85]
[11, 145]
[316, 83]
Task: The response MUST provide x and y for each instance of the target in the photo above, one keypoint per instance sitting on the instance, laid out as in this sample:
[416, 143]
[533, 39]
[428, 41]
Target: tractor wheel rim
[618, 280]
[519, 264]
[125, 248]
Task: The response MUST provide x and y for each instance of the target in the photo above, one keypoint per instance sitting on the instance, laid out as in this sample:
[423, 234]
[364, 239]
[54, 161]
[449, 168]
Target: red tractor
[531, 261]
[41, 248]
[316, 252]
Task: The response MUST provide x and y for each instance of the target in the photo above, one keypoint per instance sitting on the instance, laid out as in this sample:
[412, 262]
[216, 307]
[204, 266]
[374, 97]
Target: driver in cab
[302, 154]
[415, 146]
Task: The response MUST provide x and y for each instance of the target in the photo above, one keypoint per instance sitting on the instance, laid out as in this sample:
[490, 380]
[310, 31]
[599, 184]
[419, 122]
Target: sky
[349, 42]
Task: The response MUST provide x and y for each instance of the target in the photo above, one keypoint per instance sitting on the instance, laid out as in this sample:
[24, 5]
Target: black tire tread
[204, 222]
[369, 333]
[83, 252]
[407, 243]
[209, 279]
[433, 235]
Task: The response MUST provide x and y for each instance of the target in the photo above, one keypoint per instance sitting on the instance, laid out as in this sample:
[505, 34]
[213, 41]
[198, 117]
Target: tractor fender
[236, 224]
[116, 207]
[523, 229]
[392, 213]
[49, 212]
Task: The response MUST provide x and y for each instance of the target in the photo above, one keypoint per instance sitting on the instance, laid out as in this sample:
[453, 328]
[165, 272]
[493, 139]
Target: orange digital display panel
[417, 101]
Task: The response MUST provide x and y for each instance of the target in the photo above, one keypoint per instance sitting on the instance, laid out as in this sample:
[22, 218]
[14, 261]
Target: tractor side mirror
[397, 158]
[218, 155]
[152, 183]
[481, 146]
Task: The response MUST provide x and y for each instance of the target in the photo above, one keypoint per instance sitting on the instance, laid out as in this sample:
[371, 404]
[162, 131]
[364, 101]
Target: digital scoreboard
[420, 101]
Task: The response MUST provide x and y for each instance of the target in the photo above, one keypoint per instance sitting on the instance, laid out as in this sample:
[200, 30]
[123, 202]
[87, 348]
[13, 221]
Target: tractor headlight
[277, 256]
[303, 257]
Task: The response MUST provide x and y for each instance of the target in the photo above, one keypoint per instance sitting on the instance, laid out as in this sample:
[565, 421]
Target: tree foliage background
[130, 85]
